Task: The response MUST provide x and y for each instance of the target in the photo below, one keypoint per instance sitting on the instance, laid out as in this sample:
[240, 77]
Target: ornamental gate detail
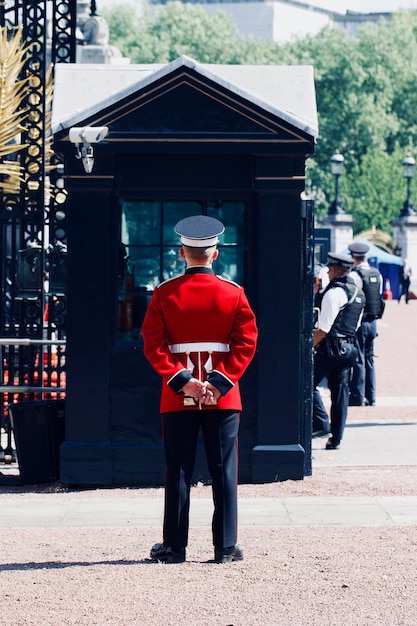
[33, 221]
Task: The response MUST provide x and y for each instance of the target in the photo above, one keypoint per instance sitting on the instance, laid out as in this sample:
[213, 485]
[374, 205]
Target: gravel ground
[291, 576]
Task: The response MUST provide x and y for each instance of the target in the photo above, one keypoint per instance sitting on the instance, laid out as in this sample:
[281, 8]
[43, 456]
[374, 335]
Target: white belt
[199, 346]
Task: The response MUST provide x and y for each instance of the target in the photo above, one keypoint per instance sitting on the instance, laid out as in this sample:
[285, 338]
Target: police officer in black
[362, 383]
[341, 306]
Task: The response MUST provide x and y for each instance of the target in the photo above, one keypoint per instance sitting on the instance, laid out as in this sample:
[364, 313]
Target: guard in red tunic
[200, 335]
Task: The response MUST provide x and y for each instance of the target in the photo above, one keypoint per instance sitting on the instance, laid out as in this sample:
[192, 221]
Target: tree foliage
[374, 190]
[365, 90]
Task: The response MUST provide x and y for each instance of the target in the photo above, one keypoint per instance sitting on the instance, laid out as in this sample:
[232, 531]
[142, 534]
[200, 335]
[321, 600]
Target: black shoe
[369, 402]
[228, 555]
[354, 402]
[165, 554]
[332, 445]
[321, 433]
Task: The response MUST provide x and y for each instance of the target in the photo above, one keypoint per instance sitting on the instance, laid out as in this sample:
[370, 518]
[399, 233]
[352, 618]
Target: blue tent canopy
[388, 264]
[379, 254]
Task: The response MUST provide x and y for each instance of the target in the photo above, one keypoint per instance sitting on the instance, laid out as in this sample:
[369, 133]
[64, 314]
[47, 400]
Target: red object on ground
[387, 295]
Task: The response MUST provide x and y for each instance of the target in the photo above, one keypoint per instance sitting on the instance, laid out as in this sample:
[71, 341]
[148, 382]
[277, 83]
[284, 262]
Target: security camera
[87, 134]
[84, 137]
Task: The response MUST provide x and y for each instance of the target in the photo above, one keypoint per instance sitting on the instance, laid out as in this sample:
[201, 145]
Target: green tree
[389, 57]
[176, 29]
[365, 102]
[124, 24]
[365, 90]
[375, 191]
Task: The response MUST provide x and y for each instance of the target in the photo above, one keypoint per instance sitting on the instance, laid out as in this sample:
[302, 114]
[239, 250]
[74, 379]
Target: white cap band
[199, 243]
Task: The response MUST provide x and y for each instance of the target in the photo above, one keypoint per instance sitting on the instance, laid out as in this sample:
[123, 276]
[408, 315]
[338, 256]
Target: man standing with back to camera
[362, 384]
[200, 335]
[341, 305]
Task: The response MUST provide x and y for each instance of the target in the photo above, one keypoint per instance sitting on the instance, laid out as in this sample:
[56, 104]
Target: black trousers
[404, 289]
[180, 434]
[336, 369]
[362, 384]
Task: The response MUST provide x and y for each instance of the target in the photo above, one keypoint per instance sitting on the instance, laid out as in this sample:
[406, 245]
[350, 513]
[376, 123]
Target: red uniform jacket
[199, 307]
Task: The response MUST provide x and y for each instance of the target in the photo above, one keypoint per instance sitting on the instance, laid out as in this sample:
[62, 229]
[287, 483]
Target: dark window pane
[174, 211]
[232, 215]
[229, 264]
[172, 264]
[149, 251]
[145, 267]
[141, 222]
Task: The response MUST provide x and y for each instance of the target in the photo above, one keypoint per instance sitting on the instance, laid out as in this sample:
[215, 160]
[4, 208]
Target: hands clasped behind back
[202, 392]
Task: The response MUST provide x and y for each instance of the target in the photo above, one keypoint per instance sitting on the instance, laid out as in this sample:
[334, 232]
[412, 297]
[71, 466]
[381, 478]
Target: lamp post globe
[336, 163]
[409, 165]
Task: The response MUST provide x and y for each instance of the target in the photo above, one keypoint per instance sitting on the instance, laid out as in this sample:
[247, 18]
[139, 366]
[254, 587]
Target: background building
[283, 20]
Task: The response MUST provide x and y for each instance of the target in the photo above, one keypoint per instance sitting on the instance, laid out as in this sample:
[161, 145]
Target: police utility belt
[335, 344]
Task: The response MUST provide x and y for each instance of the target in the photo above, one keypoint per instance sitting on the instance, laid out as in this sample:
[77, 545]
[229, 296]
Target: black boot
[166, 554]
[228, 555]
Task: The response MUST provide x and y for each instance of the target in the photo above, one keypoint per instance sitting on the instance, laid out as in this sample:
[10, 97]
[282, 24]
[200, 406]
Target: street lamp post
[408, 173]
[336, 162]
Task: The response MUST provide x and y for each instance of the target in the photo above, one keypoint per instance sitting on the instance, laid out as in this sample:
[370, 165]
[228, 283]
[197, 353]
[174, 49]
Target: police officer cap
[358, 249]
[342, 260]
[199, 231]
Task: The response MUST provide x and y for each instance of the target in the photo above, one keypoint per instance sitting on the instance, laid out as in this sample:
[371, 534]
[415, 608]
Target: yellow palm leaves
[22, 110]
[13, 92]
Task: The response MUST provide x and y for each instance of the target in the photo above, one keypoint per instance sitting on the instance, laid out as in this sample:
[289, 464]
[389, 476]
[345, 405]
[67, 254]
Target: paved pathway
[384, 435]
[51, 511]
